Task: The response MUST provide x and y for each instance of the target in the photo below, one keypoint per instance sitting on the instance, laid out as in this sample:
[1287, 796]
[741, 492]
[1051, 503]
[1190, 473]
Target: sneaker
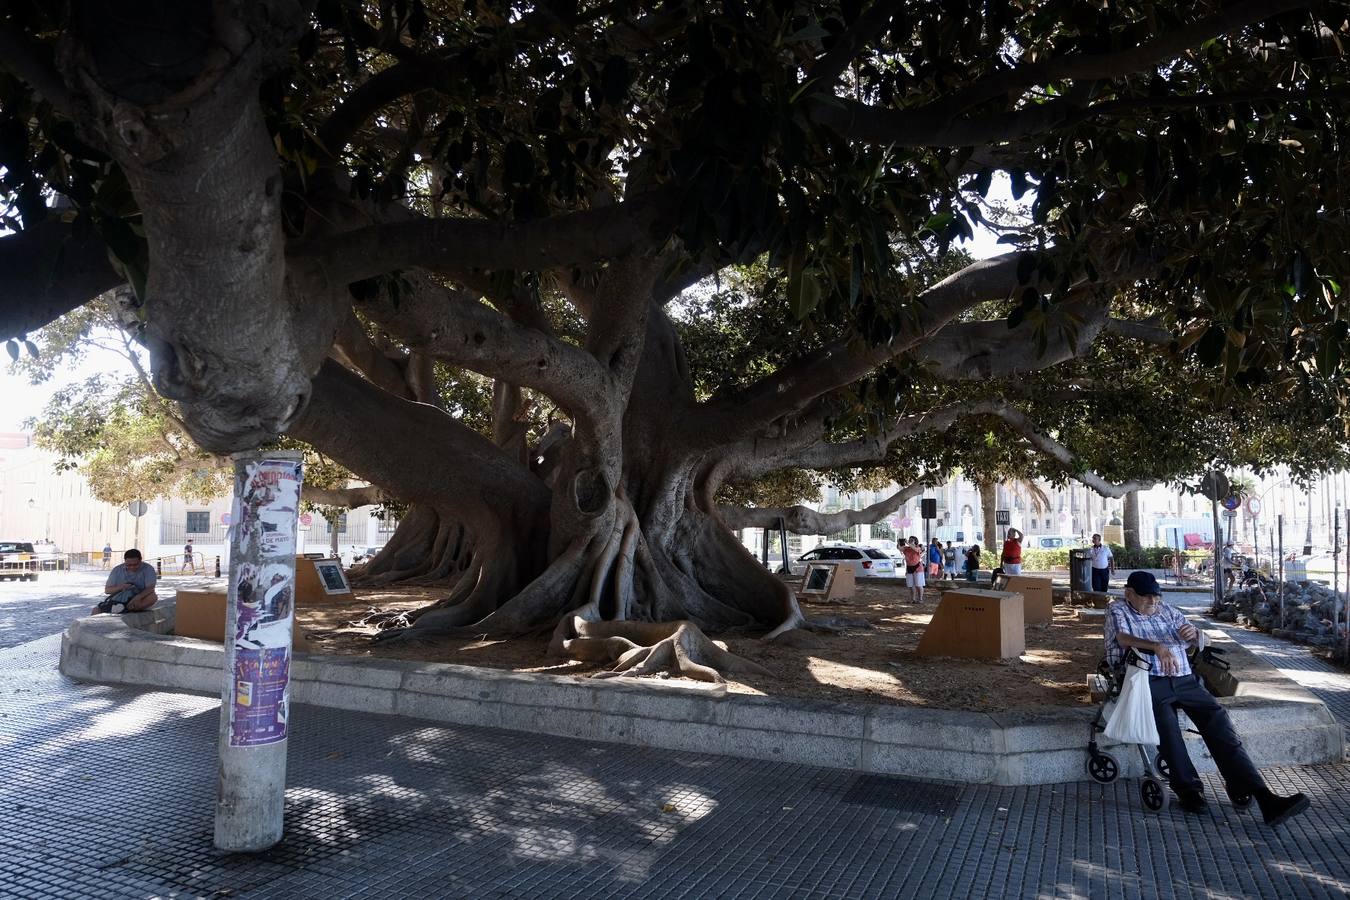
[1275, 809]
[1193, 802]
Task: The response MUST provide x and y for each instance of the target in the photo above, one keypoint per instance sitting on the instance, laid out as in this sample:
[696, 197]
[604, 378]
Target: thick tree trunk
[988, 509]
[615, 536]
[1131, 520]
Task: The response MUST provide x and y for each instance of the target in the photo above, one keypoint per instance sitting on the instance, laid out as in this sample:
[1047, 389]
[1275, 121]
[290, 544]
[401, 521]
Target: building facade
[40, 502]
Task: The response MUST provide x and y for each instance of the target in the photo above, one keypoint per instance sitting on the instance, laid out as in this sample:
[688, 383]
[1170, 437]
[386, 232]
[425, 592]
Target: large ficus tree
[321, 205]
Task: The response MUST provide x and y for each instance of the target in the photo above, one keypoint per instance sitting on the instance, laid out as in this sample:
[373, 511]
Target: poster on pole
[267, 500]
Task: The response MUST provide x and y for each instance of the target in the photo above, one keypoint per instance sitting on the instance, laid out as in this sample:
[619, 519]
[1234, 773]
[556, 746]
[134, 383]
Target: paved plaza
[108, 792]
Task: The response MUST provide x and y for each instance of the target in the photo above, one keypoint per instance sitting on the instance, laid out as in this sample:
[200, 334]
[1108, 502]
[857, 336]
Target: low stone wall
[1040, 746]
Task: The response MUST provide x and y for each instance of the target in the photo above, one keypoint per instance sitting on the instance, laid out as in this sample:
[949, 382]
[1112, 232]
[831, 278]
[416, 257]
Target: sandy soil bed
[875, 665]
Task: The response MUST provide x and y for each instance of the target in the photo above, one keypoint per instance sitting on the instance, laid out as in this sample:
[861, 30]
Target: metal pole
[1346, 649]
[1336, 568]
[1218, 552]
[782, 540]
[1280, 519]
[255, 707]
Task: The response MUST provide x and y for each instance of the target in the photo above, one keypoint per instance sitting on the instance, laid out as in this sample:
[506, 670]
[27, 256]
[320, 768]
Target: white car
[867, 562]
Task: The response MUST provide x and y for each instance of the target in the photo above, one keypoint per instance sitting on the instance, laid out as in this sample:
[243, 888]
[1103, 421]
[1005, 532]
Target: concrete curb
[1045, 745]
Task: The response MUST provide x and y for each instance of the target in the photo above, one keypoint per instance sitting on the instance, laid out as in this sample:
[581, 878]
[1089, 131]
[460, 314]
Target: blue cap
[1143, 583]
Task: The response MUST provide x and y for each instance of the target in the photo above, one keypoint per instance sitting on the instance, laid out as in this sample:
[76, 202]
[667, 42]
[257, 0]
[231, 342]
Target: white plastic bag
[1132, 721]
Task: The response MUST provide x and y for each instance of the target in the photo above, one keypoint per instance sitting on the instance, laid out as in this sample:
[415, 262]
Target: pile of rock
[1312, 612]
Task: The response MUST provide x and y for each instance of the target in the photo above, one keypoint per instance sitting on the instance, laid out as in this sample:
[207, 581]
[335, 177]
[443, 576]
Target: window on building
[198, 521]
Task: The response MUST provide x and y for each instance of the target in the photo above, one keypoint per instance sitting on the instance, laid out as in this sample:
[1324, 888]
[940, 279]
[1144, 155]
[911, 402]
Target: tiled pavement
[108, 793]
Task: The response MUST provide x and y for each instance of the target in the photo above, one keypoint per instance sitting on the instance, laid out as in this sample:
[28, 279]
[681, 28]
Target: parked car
[18, 561]
[1050, 541]
[889, 547]
[867, 562]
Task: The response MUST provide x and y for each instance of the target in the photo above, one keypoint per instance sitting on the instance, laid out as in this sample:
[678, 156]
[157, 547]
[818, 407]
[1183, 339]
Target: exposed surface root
[649, 648]
[835, 624]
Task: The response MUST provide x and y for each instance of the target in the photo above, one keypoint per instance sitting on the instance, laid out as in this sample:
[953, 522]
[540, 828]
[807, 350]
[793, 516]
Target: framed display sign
[331, 576]
[818, 578]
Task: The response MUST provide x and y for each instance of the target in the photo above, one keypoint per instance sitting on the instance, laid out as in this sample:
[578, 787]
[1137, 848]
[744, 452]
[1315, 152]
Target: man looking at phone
[130, 586]
[1159, 632]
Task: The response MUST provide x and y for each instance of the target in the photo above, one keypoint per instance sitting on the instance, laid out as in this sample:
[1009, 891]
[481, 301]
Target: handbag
[1132, 722]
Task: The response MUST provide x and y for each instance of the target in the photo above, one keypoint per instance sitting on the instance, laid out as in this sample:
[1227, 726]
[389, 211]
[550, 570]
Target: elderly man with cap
[1160, 633]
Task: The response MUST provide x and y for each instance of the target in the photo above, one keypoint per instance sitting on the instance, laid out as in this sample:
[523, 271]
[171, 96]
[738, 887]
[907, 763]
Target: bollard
[250, 795]
[159, 567]
[217, 566]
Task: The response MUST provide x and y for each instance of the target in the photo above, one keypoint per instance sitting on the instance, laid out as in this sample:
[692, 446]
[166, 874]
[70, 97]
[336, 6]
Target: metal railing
[177, 532]
[179, 564]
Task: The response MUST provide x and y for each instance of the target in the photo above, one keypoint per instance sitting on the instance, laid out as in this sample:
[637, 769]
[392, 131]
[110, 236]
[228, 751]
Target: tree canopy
[330, 213]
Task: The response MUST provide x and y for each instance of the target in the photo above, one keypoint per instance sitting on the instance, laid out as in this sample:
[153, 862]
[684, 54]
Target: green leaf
[806, 296]
[938, 223]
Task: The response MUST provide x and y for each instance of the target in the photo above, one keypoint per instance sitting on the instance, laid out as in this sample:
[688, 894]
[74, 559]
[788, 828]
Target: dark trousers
[1188, 693]
[1101, 580]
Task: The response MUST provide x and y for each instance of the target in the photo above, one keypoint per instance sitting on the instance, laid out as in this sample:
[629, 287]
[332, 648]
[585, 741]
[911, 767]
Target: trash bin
[1080, 570]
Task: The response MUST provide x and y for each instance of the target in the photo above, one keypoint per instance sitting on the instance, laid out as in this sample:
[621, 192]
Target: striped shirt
[1160, 627]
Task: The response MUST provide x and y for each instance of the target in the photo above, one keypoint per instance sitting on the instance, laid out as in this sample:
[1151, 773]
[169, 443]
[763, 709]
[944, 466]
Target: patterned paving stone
[108, 793]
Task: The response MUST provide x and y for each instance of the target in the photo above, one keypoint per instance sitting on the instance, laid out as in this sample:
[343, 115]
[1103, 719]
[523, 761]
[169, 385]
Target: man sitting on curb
[130, 587]
[1161, 634]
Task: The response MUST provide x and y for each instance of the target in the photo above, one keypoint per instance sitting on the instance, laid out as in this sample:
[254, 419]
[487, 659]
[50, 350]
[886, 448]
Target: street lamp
[47, 525]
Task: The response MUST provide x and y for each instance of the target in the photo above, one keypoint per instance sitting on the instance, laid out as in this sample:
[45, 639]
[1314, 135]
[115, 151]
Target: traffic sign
[1231, 502]
[1002, 517]
[1253, 506]
[137, 508]
[226, 518]
[1230, 513]
[306, 519]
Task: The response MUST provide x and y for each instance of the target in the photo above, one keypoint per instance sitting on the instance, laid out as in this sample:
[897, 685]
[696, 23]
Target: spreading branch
[347, 498]
[33, 64]
[354, 349]
[455, 327]
[936, 124]
[920, 128]
[804, 520]
[1168, 45]
[578, 238]
[1148, 332]
[1052, 448]
[45, 272]
[794, 387]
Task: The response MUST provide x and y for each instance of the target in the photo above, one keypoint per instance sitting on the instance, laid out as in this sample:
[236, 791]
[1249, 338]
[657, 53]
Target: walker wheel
[1153, 795]
[1163, 768]
[1103, 768]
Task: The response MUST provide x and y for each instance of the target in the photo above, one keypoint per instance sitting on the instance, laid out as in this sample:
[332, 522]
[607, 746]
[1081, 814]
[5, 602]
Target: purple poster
[260, 696]
[263, 593]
